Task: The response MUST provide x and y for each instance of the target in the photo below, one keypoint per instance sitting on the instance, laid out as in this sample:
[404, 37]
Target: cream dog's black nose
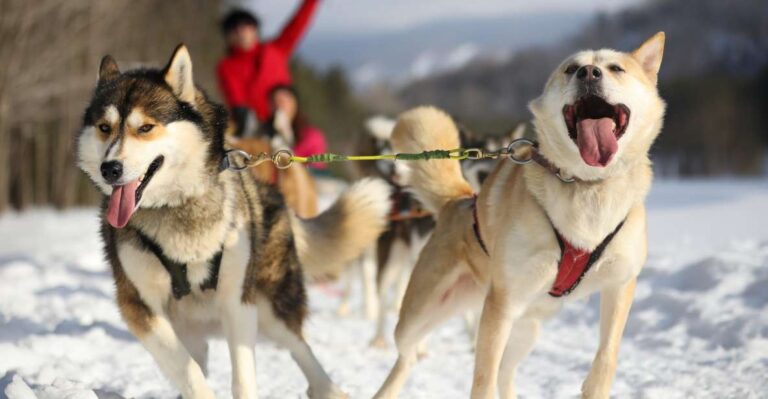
[111, 171]
[589, 73]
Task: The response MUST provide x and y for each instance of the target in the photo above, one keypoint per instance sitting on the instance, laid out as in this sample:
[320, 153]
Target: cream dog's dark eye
[146, 128]
[571, 69]
[104, 128]
[615, 68]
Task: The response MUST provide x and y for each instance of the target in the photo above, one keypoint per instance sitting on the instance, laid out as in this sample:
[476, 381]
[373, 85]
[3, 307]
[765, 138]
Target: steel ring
[564, 179]
[283, 159]
[514, 145]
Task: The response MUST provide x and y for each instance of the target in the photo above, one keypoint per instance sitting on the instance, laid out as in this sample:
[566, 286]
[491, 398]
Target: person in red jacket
[252, 67]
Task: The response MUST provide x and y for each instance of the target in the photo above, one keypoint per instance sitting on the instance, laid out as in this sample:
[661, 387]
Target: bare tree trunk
[5, 165]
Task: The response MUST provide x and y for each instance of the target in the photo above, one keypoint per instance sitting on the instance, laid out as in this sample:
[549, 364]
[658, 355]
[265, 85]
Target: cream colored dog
[530, 241]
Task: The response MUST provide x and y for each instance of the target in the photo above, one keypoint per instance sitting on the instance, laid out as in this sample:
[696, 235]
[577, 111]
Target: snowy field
[698, 329]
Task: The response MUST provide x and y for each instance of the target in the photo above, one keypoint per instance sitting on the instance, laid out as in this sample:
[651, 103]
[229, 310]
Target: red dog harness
[574, 262]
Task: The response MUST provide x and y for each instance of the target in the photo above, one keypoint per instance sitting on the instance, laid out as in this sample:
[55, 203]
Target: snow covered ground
[699, 327]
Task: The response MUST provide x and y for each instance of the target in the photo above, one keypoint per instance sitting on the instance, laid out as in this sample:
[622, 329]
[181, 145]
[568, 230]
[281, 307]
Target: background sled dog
[196, 250]
[529, 240]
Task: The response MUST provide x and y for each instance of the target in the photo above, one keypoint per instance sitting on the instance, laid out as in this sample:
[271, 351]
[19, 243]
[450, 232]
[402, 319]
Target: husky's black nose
[589, 73]
[111, 171]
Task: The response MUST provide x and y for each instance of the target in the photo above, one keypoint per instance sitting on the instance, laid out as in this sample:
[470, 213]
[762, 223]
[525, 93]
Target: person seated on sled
[252, 67]
[289, 128]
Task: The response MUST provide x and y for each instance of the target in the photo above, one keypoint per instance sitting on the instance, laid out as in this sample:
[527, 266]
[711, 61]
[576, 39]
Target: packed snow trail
[698, 329]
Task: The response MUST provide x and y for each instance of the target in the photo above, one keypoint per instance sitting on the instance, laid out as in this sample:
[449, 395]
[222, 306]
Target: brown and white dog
[530, 241]
[198, 250]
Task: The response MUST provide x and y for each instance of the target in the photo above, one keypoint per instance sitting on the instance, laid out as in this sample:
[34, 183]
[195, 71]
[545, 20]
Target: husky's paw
[600, 378]
[595, 388]
[331, 392]
[379, 343]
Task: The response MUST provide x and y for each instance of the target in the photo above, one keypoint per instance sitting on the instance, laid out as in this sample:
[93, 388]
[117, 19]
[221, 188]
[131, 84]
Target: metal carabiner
[229, 163]
[473, 153]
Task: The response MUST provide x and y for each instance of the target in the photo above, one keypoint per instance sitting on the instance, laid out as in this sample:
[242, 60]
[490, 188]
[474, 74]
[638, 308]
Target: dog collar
[180, 286]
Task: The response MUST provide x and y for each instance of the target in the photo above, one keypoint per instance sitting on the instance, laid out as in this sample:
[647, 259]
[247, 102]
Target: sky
[386, 15]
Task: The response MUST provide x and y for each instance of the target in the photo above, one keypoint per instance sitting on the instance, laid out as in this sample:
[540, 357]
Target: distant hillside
[436, 47]
[714, 48]
[703, 36]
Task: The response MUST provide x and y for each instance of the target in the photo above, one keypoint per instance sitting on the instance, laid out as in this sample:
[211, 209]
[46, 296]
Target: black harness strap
[180, 285]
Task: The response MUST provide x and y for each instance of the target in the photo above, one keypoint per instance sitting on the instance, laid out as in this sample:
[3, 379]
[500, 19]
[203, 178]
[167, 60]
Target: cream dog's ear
[649, 55]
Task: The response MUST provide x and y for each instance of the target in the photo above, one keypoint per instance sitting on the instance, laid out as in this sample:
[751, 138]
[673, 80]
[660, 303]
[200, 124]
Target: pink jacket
[311, 142]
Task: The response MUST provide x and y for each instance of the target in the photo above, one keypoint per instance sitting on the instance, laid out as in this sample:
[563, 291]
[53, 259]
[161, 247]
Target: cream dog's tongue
[122, 204]
[597, 140]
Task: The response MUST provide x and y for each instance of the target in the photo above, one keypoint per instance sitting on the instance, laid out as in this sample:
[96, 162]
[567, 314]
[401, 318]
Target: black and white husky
[197, 250]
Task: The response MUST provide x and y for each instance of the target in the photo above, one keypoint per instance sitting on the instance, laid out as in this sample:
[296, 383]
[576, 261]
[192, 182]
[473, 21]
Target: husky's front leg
[174, 360]
[240, 323]
[615, 303]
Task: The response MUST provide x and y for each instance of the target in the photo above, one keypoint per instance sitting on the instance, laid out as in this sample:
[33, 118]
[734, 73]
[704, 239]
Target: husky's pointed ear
[108, 69]
[649, 55]
[178, 74]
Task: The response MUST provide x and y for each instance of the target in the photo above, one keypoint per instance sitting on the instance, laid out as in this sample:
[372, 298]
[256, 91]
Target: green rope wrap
[425, 155]
[326, 158]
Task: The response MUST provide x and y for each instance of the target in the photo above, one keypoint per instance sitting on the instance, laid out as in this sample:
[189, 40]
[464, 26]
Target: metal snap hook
[228, 162]
[473, 153]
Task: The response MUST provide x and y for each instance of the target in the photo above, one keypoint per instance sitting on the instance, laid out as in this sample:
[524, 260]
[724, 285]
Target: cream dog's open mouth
[596, 126]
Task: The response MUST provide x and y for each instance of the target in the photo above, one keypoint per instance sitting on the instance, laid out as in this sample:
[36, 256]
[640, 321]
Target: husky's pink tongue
[122, 203]
[597, 141]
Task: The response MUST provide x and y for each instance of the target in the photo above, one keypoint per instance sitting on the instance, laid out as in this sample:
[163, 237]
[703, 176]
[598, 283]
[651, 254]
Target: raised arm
[294, 29]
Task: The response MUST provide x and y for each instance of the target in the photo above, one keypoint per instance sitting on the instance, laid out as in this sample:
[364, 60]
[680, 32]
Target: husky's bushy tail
[435, 182]
[326, 243]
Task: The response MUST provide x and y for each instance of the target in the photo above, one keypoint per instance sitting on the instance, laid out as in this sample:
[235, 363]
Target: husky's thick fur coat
[152, 143]
[596, 120]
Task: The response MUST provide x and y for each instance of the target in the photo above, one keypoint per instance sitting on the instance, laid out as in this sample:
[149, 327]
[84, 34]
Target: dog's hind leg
[346, 291]
[614, 309]
[439, 288]
[371, 301]
[391, 263]
[320, 385]
[522, 338]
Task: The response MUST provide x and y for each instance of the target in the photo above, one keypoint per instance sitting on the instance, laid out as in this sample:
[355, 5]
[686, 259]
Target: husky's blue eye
[571, 69]
[146, 128]
[104, 128]
[615, 68]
